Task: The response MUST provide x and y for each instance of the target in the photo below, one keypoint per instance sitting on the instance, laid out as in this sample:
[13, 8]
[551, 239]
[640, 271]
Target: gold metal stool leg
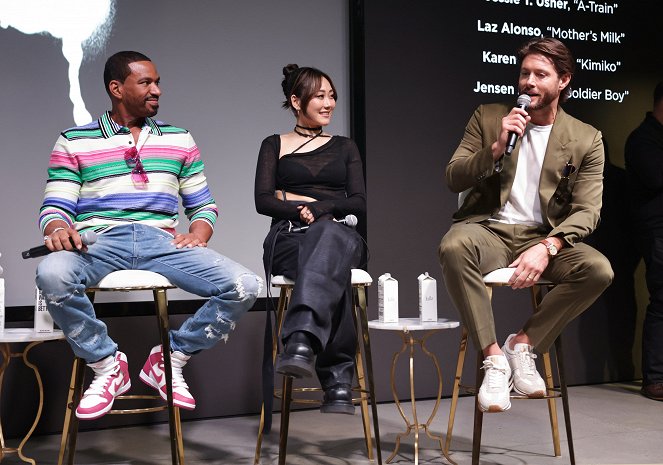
[559, 357]
[361, 322]
[176, 442]
[462, 350]
[284, 299]
[552, 406]
[537, 296]
[70, 427]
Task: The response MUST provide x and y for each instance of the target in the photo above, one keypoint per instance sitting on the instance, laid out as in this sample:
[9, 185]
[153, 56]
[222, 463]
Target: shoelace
[495, 375]
[527, 363]
[178, 378]
[102, 379]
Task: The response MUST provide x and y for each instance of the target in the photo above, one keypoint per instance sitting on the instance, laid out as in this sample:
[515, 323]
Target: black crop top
[332, 174]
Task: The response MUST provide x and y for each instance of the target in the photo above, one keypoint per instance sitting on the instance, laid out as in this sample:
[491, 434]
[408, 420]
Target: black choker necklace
[303, 134]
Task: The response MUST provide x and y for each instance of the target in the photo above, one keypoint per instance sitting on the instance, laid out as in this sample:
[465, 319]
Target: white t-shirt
[523, 205]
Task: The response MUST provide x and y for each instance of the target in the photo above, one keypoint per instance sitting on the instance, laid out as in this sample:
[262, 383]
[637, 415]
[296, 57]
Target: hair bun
[290, 73]
[289, 69]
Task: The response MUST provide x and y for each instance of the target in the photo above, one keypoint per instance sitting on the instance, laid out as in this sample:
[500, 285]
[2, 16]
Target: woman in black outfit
[307, 178]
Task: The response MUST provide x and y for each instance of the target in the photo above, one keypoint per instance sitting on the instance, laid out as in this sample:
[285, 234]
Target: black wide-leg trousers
[320, 261]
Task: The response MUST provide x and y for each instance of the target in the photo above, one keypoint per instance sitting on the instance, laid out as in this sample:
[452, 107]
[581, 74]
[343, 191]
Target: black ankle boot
[298, 357]
[338, 399]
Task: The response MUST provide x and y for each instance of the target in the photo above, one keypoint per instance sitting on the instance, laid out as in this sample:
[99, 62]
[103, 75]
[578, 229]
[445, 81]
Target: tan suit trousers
[470, 250]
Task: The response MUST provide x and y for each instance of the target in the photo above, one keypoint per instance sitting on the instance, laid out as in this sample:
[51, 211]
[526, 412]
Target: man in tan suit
[529, 211]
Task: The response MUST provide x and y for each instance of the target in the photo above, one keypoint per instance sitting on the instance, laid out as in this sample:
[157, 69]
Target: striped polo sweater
[90, 185]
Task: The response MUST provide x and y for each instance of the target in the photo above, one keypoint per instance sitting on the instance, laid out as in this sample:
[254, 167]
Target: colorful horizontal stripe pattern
[90, 185]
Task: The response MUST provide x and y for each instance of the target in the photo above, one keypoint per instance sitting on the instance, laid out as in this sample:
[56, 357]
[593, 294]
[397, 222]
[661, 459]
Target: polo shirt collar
[110, 128]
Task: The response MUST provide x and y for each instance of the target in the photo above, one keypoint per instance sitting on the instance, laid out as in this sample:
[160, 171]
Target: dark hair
[117, 66]
[658, 93]
[303, 83]
[558, 53]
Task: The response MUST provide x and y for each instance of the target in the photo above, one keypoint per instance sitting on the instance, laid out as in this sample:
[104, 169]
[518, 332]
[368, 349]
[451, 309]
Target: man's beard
[544, 100]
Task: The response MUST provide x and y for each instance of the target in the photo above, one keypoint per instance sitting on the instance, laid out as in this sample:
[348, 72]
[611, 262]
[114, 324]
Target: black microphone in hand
[87, 237]
[349, 220]
[523, 102]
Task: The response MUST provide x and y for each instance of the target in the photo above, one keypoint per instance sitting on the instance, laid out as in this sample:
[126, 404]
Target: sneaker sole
[147, 379]
[532, 395]
[494, 408]
[101, 413]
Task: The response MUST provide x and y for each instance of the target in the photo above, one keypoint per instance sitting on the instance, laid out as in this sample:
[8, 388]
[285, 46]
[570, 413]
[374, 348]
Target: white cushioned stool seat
[359, 276]
[133, 279]
[280, 280]
[502, 276]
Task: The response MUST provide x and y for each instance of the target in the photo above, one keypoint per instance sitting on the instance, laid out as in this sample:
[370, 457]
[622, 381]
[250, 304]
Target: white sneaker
[494, 394]
[526, 380]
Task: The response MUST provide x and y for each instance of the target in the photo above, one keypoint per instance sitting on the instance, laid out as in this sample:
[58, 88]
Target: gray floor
[612, 424]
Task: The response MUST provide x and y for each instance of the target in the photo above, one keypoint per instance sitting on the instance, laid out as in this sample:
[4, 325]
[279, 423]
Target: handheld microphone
[349, 220]
[523, 102]
[87, 237]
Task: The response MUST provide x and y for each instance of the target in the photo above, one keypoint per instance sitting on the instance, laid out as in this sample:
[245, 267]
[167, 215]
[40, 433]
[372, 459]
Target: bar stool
[360, 281]
[500, 277]
[128, 280]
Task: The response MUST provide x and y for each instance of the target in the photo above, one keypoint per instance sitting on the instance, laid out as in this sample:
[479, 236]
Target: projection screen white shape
[82, 26]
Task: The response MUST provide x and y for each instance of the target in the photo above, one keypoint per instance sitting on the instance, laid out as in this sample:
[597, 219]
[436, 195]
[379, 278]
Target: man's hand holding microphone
[59, 236]
[513, 127]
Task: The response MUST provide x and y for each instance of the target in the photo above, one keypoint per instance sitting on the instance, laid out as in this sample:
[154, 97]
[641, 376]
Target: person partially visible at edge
[643, 156]
[308, 178]
[121, 177]
[529, 211]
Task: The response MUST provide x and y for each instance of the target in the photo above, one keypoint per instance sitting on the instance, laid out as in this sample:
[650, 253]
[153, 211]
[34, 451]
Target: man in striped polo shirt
[121, 177]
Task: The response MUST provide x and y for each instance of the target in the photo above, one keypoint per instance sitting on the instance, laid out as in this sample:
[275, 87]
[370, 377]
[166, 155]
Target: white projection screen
[220, 64]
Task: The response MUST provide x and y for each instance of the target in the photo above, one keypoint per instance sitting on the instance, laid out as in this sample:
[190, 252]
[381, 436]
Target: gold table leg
[6, 357]
[414, 426]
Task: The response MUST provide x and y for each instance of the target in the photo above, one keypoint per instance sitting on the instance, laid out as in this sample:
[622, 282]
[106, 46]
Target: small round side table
[406, 328]
[17, 335]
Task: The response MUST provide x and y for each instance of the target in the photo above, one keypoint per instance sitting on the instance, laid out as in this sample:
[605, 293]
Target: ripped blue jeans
[63, 277]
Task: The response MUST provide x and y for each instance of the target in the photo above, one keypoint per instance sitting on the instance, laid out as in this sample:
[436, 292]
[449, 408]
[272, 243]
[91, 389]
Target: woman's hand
[305, 214]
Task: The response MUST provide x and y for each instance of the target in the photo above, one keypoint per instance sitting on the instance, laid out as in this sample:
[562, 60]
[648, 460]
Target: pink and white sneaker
[153, 375]
[111, 379]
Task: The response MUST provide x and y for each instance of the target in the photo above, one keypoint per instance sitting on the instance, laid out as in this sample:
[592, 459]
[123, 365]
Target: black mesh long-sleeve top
[332, 174]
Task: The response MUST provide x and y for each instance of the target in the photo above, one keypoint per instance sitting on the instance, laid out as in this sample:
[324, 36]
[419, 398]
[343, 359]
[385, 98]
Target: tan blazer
[570, 205]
